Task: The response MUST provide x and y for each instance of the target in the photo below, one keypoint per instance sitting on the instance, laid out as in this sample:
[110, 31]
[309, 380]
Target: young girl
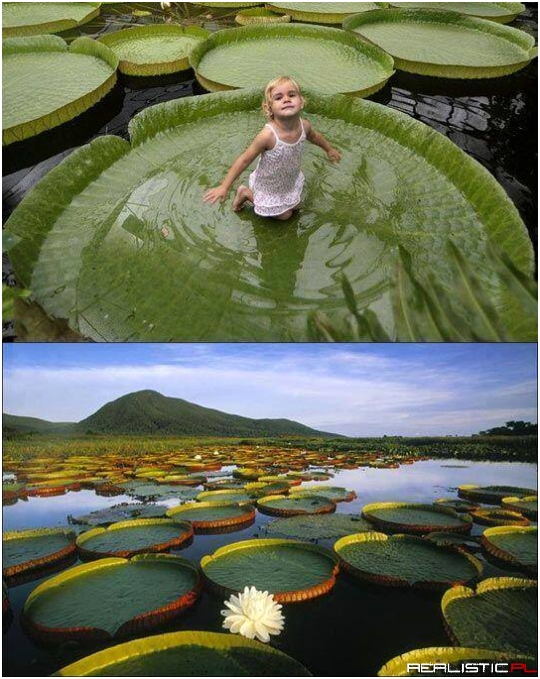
[275, 186]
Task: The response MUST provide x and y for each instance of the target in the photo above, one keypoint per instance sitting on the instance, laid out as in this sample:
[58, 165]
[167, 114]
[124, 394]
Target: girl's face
[285, 100]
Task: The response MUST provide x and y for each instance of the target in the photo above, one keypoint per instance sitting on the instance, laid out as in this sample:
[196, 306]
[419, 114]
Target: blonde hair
[267, 100]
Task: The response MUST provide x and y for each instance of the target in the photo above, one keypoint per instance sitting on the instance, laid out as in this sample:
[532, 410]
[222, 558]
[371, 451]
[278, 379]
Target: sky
[351, 389]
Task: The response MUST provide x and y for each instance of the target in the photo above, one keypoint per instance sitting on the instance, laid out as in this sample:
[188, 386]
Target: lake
[351, 631]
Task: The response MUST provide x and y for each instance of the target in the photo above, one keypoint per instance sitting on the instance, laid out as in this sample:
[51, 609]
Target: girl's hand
[213, 195]
[334, 155]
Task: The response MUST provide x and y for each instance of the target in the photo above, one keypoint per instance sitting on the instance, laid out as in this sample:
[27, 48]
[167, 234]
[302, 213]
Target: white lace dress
[277, 180]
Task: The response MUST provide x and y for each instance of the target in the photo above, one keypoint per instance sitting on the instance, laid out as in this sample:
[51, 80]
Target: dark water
[494, 121]
[352, 631]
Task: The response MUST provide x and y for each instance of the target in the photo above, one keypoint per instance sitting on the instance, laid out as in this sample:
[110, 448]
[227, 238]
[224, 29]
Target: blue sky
[352, 389]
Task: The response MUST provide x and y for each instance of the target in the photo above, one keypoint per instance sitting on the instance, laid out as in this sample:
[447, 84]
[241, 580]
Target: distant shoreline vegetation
[495, 448]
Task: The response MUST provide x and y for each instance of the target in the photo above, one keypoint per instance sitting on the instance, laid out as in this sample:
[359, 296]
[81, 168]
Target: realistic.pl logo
[486, 668]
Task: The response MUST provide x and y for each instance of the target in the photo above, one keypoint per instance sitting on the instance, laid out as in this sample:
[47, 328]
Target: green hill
[149, 412]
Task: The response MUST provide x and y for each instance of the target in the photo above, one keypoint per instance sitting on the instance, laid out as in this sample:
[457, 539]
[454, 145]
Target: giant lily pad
[318, 526]
[290, 570]
[28, 550]
[299, 503]
[128, 538]
[445, 44]
[515, 545]
[239, 497]
[45, 83]
[501, 614]
[498, 517]
[331, 492]
[502, 12]
[147, 491]
[492, 495]
[260, 15]
[184, 654]
[408, 664]
[323, 12]
[121, 512]
[405, 560]
[212, 515]
[312, 55]
[155, 49]
[111, 597]
[37, 18]
[239, 279]
[412, 517]
[528, 506]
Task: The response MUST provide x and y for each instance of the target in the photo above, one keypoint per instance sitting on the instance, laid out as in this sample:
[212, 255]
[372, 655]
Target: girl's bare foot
[243, 194]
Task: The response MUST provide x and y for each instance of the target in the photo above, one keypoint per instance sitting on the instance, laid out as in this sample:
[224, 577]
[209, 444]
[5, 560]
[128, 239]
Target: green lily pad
[111, 597]
[405, 560]
[502, 12]
[212, 515]
[148, 491]
[155, 49]
[501, 614]
[498, 517]
[252, 56]
[318, 526]
[299, 503]
[445, 44]
[412, 517]
[27, 550]
[46, 83]
[238, 279]
[492, 495]
[260, 15]
[400, 666]
[457, 505]
[22, 18]
[187, 654]
[323, 12]
[331, 492]
[290, 570]
[515, 545]
[121, 512]
[239, 497]
[128, 538]
[454, 540]
[528, 506]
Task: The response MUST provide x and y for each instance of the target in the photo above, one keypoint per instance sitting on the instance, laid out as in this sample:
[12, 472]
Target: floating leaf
[528, 505]
[260, 15]
[405, 560]
[128, 538]
[153, 50]
[412, 517]
[491, 495]
[290, 570]
[312, 55]
[183, 654]
[77, 77]
[212, 515]
[333, 493]
[299, 503]
[502, 12]
[111, 597]
[21, 18]
[515, 545]
[29, 550]
[445, 44]
[121, 512]
[323, 12]
[501, 614]
[318, 526]
[89, 203]
[498, 517]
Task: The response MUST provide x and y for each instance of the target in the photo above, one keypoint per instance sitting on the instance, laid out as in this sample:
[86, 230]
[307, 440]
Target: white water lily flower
[198, 457]
[253, 614]
[166, 5]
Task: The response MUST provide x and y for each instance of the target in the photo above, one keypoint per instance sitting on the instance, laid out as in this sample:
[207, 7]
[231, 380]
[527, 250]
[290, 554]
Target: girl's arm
[319, 140]
[259, 144]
